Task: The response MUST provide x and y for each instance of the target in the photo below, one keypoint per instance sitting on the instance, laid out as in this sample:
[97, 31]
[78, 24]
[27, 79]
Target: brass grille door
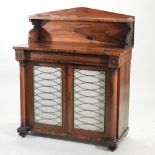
[89, 99]
[47, 83]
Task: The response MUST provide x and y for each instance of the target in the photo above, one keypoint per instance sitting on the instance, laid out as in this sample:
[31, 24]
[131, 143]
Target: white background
[14, 27]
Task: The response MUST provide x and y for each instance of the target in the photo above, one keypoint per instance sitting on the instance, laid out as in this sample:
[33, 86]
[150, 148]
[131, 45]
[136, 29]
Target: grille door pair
[88, 95]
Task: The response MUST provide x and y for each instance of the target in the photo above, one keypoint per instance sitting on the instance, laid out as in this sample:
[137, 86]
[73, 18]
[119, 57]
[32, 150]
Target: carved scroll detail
[34, 33]
[129, 42]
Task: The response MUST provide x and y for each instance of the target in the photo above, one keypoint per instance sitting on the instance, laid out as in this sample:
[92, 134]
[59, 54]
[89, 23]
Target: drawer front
[65, 58]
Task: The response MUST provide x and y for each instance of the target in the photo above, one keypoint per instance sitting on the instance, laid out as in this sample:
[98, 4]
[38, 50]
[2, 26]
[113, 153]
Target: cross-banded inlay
[89, 99]
[47, 95]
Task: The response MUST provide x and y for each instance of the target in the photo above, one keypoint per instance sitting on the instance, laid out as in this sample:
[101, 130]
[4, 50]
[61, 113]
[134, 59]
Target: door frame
[67, 129]
[85, 134]
[46, 128]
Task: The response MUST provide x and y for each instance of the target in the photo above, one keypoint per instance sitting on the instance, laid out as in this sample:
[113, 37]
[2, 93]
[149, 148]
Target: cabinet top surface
[83, 14]
[72, 48]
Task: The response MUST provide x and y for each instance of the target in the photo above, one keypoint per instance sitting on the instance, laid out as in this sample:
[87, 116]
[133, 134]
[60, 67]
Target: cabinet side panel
[123, 97]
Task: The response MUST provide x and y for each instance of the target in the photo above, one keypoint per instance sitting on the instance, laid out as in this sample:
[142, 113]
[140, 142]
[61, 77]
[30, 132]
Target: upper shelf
[83, 14]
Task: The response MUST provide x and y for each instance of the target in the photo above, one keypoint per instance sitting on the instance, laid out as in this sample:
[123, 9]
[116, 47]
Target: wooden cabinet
[75, 74]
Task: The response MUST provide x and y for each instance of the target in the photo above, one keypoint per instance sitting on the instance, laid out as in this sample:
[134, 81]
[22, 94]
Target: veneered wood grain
[86, 39]
[113, 108]
[123, 95]
[77, 48]
[23, 92]
[83, 14]
[83, 25]
[104, 34]
[71, 59]
[30, 94]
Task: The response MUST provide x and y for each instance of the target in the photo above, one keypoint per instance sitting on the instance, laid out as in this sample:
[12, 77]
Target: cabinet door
[88, 100]
[48, 82]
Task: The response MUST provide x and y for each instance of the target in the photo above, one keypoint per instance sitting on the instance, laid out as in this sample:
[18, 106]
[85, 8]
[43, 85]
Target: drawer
[63, 58]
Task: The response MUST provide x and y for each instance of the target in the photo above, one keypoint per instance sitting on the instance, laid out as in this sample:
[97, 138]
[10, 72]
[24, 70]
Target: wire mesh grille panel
[89, 99]
[47, 95]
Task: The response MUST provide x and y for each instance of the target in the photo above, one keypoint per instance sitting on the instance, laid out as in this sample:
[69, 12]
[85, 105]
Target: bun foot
[23, 130]
[22, 135]
[112, 148]
[112, 144]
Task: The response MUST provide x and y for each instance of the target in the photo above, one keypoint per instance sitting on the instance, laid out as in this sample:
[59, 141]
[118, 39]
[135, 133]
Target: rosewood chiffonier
[75, 74]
